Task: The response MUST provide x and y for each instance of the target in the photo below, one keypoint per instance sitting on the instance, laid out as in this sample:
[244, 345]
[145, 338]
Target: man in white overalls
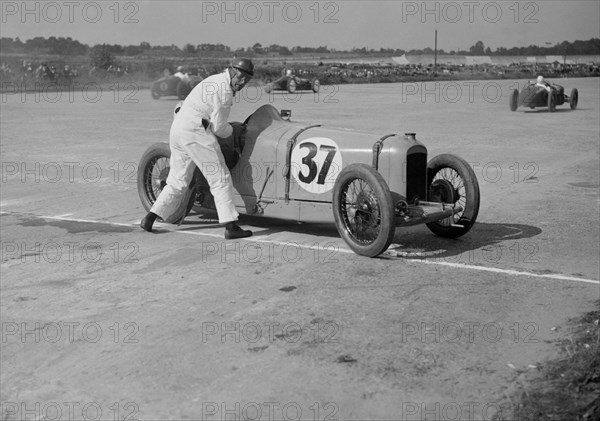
[193, 140]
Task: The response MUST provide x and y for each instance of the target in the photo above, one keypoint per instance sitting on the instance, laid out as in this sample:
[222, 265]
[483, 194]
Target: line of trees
[52, 45]
[69, 47]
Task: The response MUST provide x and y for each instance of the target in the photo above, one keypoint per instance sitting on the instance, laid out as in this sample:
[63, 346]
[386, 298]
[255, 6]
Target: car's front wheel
[363, 210]
[514, 100]
[574, 98]
[452, 180]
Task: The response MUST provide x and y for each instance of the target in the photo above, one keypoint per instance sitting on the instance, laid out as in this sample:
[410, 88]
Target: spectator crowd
[45, 72]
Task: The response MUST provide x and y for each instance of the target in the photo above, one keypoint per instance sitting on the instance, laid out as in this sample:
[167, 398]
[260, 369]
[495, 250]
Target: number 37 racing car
[367, 185]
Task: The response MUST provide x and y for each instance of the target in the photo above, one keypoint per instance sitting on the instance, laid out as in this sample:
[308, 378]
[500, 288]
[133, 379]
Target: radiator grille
[416, 175]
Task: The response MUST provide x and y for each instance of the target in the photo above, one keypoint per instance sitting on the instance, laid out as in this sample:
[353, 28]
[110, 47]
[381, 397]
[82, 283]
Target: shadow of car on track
[487, 241]
[546, 111]
[267, 226]
[417, 242]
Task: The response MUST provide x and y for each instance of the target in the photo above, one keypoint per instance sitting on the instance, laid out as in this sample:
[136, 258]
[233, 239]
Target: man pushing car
[193, 142]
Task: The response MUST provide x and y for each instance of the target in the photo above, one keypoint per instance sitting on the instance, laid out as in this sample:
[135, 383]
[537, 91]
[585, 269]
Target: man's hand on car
[239, 135]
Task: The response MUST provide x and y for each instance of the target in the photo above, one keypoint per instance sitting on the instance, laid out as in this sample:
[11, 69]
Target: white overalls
[191, 144]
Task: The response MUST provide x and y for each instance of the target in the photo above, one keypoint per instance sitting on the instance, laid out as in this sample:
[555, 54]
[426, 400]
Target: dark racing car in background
[174, 86]
[533, 95]
[291, 84]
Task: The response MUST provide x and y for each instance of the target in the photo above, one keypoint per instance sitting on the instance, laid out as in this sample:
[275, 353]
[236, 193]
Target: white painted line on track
[64, 215]
[512, 272]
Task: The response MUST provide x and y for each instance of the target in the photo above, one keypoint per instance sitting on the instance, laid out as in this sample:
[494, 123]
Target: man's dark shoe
[233, 231]
[147, 222]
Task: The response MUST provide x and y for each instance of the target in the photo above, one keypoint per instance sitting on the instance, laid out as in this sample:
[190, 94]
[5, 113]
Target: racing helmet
[540, 79]
[288, 72]
[179, 68]
[244, 65]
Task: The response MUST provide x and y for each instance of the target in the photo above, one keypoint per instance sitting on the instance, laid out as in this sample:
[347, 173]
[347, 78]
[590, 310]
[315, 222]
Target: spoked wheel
[363, 210]
[152, 173]
[452, 180]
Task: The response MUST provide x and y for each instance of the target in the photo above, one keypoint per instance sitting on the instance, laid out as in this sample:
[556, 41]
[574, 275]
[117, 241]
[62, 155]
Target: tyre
[514, 100]
[316, 85]
[182, 90]
[153, 170]
[155, 94]
[452, 180]
[574, 99]
[363, 210]
[551, 102]
[291, 86]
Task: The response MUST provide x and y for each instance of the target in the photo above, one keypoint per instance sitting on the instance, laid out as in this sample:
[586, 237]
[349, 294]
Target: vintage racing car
[367, 185]
[292, 84]
[174, 86]
[533, 95]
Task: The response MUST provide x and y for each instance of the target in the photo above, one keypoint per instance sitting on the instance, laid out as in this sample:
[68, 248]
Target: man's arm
[219, 117]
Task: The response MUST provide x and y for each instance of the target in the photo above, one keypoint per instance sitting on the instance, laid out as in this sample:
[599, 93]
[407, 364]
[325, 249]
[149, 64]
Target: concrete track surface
[101, 320]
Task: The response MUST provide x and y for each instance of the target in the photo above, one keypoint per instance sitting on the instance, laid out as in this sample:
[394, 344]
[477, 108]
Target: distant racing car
[174, 86]
[368, 185]
[533, 95]
[292, 84]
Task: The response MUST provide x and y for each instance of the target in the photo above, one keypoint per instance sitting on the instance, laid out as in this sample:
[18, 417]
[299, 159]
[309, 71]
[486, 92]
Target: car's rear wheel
[153, 171]
[551, 102]
[291, 86]
[514, 100]
[452, 180]
[363, 210]
[316, 85]
[574, 98]
[152, 174]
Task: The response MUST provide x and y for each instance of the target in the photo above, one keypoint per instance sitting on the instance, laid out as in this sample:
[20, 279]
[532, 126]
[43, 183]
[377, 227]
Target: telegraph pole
[435, 56]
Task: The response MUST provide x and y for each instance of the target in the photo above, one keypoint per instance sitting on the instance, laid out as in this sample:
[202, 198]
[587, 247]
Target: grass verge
[568, 387]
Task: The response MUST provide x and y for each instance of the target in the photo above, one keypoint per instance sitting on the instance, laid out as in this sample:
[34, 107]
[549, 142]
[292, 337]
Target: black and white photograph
[310, 210]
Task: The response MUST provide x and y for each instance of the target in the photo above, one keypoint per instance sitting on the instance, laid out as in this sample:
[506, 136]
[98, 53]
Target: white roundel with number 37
[316, 162]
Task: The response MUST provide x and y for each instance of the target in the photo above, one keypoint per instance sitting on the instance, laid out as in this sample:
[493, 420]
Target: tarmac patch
[585, 184]
[73, 226]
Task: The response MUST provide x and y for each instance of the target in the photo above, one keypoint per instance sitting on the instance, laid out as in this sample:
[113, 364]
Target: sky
[342, 25]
